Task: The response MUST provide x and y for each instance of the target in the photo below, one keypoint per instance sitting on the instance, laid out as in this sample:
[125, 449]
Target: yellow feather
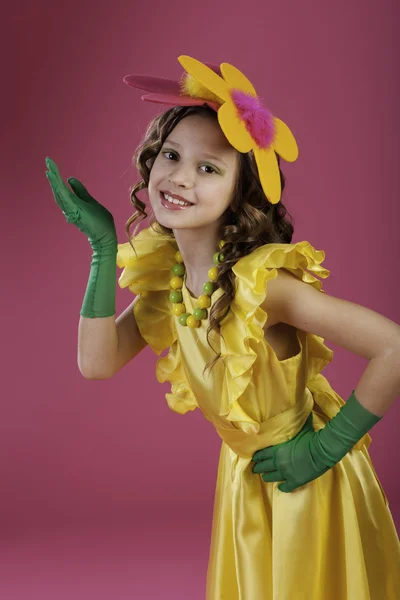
[193, 88]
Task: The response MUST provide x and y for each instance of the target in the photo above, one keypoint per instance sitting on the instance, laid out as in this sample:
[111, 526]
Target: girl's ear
[149, 162]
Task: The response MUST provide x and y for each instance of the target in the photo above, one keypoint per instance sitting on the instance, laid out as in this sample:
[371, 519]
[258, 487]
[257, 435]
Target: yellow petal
[268, 171]
[284, 143]
[206, 76]
[234, 128]
[235, 79]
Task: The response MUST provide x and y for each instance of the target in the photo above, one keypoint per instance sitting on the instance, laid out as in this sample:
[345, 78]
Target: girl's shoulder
[149, 268]
[146, 273]
[253, 271]
[300, 258]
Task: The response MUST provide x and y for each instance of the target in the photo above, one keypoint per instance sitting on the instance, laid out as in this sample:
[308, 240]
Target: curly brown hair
[250, 220]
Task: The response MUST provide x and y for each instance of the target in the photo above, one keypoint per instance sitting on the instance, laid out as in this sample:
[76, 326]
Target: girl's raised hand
[81, 209]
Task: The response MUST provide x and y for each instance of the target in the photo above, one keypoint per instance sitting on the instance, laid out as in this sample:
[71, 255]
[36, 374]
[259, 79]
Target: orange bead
[176, 283]
[192, 322]
[204, 301]
[178, 309]
[213, 273]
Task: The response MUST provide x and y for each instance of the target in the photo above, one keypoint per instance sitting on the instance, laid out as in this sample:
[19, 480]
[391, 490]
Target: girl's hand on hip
[294, 462]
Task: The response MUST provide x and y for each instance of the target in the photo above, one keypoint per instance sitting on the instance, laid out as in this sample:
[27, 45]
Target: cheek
[153, 178]
[212, 185]
[156, 174]
[225, 192]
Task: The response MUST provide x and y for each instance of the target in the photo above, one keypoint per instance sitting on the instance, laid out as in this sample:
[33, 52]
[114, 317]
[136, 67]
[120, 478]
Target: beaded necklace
[200, 313]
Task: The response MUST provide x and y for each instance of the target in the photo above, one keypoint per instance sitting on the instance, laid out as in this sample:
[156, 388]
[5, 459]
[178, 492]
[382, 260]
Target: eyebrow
[204, 154]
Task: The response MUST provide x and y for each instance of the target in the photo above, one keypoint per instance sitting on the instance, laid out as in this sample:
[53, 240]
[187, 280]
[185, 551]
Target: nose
[181, 176]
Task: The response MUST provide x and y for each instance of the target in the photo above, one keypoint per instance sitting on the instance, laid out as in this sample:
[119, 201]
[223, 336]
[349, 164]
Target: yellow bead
[204, 301]
[192, 322]
[178, 309]
[213, 273]
[176, 283]
[178, 257]
[221, 244]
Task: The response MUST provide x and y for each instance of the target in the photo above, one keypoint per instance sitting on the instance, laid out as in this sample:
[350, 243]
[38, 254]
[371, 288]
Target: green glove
[311, 453]
[97, 223]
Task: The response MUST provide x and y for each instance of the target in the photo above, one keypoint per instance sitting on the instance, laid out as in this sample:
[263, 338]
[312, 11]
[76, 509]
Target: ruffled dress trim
[148, 275]
[242, 329]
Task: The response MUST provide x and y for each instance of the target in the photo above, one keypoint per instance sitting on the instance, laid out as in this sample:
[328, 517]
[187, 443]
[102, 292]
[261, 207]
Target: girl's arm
[349, 325]
[364, 332]
[105, 345]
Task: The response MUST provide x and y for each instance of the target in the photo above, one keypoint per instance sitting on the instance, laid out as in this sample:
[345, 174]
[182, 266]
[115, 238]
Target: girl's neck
[195, 285]
[197, 252]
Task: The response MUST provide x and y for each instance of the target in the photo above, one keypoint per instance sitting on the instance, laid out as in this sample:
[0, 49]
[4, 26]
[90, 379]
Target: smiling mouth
[175, 201]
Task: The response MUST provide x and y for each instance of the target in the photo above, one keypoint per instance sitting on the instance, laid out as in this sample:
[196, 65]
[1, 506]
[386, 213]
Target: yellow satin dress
[331, 539]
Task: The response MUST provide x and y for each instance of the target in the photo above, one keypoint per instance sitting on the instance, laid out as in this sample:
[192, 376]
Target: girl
[299, 511]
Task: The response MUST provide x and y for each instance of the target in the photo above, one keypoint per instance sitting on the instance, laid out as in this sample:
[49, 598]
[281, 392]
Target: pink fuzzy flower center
[258, 120]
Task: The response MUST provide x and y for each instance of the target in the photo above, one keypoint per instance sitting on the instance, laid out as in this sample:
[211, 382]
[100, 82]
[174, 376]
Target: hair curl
[250, 220]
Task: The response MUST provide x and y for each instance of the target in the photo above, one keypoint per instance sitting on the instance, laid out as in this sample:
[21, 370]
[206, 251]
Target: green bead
[175, 296]
[178, 269]
[218, 257]
[183, 318]
[208, 288]
[200, 313]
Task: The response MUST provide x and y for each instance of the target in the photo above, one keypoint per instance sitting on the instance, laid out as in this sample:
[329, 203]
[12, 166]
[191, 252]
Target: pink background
[105, 492]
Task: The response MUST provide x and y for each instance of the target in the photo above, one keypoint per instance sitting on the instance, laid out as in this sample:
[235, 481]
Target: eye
[175, 157]
[209, 167]
[168, 152]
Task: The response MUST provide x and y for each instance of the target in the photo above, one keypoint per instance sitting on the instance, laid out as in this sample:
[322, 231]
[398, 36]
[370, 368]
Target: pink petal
[153, 84]
[174, 100]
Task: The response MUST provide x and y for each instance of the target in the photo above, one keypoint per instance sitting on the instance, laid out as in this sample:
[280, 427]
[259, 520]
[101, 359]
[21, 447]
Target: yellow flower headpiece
[245, 122]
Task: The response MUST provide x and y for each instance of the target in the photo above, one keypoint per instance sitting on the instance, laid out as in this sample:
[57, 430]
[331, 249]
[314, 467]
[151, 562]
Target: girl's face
[197, 164]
